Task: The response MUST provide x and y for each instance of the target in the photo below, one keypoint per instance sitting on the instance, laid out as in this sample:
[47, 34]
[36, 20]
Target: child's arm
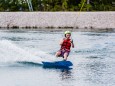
[72, 43]
[61, 42]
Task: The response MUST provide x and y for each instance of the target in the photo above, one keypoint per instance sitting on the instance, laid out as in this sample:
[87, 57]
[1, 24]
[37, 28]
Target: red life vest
[66, 44]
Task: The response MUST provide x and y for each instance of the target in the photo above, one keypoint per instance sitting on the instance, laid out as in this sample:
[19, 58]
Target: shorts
[63, 52]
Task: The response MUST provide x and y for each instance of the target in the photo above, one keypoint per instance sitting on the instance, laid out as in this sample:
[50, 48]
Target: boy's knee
[57, 54]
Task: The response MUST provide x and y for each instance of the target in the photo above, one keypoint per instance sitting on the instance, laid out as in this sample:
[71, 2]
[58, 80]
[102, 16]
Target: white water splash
[10, 52]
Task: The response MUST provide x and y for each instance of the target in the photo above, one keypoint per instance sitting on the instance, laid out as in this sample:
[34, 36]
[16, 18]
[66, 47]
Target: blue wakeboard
[58, 64]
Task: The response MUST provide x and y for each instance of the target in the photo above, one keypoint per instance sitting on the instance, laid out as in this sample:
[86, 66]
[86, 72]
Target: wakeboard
[58, 64]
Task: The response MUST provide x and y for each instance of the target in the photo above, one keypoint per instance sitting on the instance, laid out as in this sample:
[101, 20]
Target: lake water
[93, 59]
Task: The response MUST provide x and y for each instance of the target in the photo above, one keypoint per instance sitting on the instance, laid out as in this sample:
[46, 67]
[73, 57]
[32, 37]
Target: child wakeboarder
[66, 43]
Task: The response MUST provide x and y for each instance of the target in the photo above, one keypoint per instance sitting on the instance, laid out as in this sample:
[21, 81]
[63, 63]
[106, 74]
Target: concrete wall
[58, 19]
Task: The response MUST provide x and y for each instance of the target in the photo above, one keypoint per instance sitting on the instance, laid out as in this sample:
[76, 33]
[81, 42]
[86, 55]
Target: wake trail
[10, 52]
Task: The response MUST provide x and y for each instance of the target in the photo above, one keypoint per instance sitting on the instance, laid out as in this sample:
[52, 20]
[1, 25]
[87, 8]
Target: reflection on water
[66, 74]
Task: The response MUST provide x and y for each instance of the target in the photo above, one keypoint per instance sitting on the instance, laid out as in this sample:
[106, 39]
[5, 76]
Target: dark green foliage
[57, 5]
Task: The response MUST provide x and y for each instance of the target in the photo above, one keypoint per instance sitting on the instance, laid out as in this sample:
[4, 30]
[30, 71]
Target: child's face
[68, 35]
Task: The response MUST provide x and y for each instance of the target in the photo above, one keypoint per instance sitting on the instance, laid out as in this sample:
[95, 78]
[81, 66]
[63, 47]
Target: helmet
[67, 32]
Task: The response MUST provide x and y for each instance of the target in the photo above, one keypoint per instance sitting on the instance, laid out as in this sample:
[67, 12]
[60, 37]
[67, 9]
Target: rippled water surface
[93, 59]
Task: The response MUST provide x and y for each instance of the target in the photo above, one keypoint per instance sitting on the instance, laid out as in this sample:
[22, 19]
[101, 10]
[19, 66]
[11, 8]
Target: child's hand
[71, 41]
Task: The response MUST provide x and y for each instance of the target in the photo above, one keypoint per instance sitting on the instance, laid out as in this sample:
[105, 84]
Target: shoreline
[58, 29]
[58, 20]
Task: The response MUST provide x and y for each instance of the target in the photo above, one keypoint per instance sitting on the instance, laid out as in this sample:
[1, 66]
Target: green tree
[64, 5]
[57, 5]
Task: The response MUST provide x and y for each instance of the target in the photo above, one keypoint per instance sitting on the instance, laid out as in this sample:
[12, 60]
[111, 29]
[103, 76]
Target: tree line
[57, 5]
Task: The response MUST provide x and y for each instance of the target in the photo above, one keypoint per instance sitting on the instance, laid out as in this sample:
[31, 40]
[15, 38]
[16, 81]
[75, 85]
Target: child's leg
[66, 54]
[58, 53]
